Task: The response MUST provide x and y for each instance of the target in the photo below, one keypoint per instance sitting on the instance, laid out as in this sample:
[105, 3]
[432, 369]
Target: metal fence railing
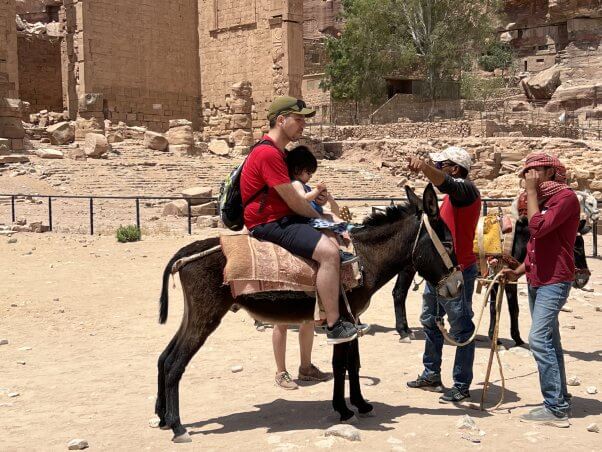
[487, 203]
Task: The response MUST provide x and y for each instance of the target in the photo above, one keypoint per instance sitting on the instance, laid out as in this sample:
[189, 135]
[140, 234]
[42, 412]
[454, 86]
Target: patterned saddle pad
[254, 266]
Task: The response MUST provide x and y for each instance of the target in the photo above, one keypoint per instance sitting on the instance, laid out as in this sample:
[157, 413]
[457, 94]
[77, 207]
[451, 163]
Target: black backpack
[230, 206]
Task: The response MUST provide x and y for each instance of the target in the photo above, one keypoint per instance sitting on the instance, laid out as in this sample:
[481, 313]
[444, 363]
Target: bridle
[455, 273]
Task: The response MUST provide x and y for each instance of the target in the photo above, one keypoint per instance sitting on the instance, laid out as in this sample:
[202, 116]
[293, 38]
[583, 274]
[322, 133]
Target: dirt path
[87, 307]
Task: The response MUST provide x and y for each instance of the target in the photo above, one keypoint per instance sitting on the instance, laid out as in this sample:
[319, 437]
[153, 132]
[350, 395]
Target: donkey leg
[355, 391]
[339, 368]
[400, 293]
[160, 404]
[512, 297]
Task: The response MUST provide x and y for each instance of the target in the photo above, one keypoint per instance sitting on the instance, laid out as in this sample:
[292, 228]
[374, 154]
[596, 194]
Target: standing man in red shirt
[553, 212]
[276, 212]
[460, 211]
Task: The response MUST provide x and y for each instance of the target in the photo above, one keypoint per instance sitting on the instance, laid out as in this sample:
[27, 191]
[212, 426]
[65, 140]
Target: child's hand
[321, 186]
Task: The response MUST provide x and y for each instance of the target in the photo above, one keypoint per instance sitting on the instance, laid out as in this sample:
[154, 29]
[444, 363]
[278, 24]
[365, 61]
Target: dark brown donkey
[385, 243]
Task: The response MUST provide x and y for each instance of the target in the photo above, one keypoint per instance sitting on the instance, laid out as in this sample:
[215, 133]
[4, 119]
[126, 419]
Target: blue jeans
[544, 339]
[459, 315]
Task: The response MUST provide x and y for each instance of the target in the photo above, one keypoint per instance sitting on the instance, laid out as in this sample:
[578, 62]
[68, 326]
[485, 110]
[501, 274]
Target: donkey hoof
[405, 340]
[370, 413]
[164, 426]
[183, 438]
[353, 420]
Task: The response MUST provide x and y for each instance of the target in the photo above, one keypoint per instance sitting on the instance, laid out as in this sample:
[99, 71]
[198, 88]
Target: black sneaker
[433, 385]
[455, 395]
[341, 331]
[347, 258]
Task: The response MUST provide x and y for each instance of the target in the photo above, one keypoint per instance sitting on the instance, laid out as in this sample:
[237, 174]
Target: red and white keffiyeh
[547, 189]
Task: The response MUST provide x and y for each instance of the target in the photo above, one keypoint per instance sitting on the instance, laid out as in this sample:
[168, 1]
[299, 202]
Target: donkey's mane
[391, 214]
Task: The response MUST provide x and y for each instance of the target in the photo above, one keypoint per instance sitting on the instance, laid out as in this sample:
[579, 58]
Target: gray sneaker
[544, 416]
[342, 331]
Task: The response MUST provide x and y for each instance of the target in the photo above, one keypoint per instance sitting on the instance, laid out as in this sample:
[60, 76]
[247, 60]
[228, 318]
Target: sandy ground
[80, 314]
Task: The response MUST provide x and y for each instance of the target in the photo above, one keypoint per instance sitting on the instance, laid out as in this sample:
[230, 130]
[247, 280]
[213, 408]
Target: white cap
[454, 154]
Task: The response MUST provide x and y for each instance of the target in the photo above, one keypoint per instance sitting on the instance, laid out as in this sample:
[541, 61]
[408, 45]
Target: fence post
[12, 208]
[138, 213]
[189, 216]
[484, 208]
[91, 216]
[50, 213]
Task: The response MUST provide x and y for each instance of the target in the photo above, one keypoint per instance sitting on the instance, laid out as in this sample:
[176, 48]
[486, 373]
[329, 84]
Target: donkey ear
[429, 202]
[413, 199]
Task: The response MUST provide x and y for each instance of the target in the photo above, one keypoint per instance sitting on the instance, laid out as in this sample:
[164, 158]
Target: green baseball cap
[287, 104]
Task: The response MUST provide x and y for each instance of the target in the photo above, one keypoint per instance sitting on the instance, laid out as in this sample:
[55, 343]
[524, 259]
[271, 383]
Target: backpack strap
[265, 188]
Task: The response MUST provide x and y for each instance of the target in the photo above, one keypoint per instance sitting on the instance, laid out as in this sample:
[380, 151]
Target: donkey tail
[188, 250]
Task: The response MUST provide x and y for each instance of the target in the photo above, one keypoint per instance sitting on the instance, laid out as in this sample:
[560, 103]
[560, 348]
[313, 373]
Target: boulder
[177, 207]
[115, 137]
[49, 153]
[95, 145]
[241, 137]
[155, 140]
[573, 97]
[180, 135]
[61, 133]
[181, 149]
[208, 208]
[135, 132]
[219, 147]
[197, 195]
[543, 84]
[76, 154]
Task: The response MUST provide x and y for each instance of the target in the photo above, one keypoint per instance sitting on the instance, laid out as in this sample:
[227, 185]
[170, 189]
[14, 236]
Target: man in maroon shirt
[553, 212]
[460, 211]
[276, 212]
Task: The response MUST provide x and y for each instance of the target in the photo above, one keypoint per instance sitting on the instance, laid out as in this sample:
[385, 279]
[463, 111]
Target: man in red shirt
[276, 212]
[460, 211]
[553, 212]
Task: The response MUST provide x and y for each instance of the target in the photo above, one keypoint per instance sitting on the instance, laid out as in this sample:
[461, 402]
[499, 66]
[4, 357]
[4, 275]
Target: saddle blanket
[254, 266]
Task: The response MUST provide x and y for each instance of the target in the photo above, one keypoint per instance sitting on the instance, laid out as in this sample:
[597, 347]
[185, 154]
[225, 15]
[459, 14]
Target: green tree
[440, 38]
[497, 55]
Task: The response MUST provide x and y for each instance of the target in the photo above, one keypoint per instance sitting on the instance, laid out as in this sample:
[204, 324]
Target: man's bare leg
[328, 277]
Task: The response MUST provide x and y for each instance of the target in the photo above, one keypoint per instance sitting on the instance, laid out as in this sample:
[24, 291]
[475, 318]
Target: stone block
[177, 207]
[76, 154]
[96, 145]
[155, 140]
[241, 138]
[179, 122]
[115, 137]
[543, 84]
[219, 147]
[209, 208]
[180, 135]
[11, 127]
[181, 149]
[240, 121]
[90, 102]
[14, 158]
[61, 133]
[197, 195]
[84, 126]
[49, 153]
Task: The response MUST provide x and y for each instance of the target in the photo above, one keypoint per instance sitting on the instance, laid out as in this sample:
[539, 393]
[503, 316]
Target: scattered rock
[219, 147]
[592, 390]
[77, 444]
[154, 422]
[235, 369]
[197, 195]
[61, 133]
[96, 145]
[180, 135]
[49, 153]
[346, 431]
[155, 140]
[24, 349]
[12, 240]
[13, 394]
[21, 362]
[466, 423]
[115, 137]
[569, 327]
[471, 438]
[566, 308]
[573, 380]
[593, 427]
[3, 341]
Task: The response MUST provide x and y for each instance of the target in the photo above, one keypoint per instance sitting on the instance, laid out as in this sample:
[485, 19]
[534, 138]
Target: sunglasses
[444, 164]
[298, 106]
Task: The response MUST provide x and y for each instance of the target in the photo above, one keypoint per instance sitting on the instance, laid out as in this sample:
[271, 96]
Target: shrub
[128, 234]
